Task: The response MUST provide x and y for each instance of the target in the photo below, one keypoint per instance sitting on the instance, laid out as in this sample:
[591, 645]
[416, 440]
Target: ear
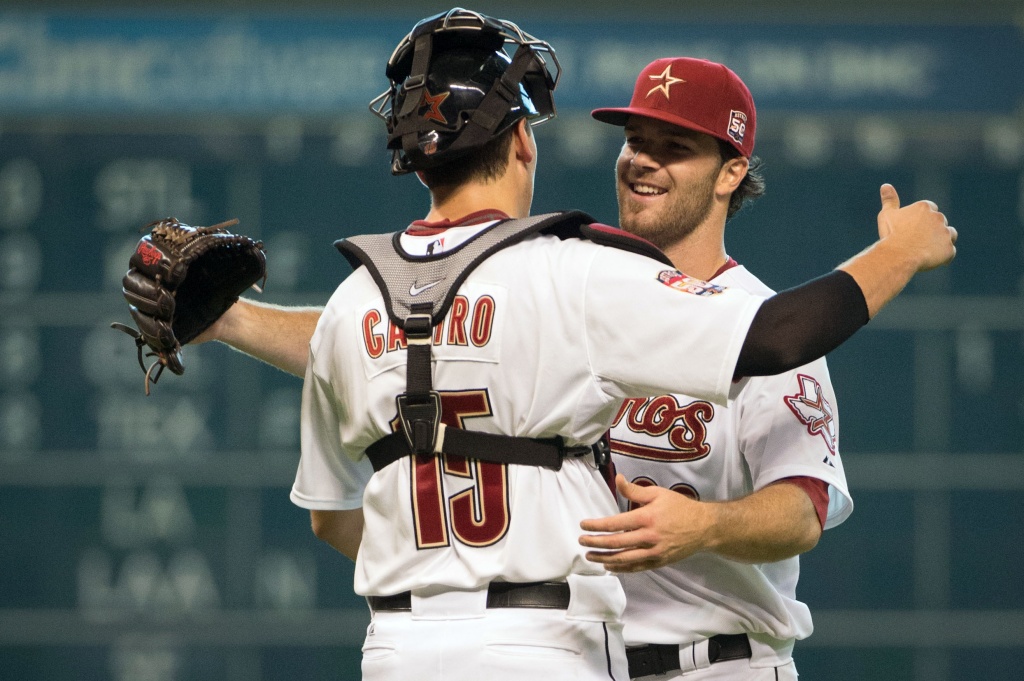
[522, 142]
[731, 175]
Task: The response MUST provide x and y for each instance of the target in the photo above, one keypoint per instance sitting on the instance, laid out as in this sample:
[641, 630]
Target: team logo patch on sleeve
[680, 282]
[810, 406]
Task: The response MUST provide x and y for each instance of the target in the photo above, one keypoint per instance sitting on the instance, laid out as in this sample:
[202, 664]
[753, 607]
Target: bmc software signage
[107, 63]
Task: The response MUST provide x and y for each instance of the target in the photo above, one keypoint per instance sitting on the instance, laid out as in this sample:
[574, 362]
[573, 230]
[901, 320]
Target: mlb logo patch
[680, 282]
[737, 126]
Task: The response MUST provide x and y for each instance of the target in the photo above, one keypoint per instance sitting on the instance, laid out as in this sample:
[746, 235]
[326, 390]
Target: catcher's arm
[341, 529]
[276, 335]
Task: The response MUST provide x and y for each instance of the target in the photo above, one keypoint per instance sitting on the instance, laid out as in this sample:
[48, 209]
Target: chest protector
[418, 292]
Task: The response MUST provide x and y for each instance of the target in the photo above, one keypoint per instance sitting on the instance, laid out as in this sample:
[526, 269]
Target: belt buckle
[602, 451]
[652, 659]
[714, 650]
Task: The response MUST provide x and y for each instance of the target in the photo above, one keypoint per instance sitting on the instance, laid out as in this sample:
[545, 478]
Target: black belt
[658, 658]
[552, 595]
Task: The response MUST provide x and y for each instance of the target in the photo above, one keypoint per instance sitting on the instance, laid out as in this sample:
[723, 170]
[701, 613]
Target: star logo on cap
[664, 81]
[433, 104]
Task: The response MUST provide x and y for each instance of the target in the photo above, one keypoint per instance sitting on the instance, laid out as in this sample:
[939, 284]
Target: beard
[673, 220]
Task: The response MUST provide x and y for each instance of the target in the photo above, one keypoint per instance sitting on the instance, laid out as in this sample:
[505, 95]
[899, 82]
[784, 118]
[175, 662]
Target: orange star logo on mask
[433, 105]
[664, 81]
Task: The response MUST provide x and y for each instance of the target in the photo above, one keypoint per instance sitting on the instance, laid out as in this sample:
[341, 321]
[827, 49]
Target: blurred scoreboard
[151, 538]
[156, 532]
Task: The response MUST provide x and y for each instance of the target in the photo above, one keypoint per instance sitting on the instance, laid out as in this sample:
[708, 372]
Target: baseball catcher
[180, 280]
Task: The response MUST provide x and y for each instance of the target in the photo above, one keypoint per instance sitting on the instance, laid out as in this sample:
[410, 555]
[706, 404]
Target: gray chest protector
[418, 292]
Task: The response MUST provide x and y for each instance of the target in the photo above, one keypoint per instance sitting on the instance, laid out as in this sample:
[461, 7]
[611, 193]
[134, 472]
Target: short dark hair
[752, 186]
[485, 163]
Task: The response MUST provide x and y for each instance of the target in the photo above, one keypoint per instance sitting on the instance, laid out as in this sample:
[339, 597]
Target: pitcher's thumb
[632, 491]
[890, 199]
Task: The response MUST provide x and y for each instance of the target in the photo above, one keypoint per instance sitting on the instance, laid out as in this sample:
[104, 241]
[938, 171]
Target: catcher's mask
[454, 88]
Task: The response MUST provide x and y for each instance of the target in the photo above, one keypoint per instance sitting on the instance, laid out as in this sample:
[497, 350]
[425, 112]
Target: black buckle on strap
[421, 419]
[548, 595]
[414, 82]
[418, 326]
[602, 451]
[661, 658]
[506, 89]
[651, 659]
[725, 647]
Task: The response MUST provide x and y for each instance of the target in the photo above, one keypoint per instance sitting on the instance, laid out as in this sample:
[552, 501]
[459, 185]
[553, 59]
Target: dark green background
[924, 581]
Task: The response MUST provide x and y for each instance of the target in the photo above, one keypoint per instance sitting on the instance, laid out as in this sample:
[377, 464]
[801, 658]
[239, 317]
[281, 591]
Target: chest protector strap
[418, 292]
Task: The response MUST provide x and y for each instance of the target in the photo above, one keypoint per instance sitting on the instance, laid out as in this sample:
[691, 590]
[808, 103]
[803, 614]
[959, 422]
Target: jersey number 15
[477, 515]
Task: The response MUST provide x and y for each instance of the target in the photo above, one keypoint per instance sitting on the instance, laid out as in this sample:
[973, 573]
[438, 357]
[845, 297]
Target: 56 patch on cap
[696, 94]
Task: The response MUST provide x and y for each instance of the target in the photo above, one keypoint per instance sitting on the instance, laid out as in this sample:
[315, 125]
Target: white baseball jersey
[774, 427]
[546, 337]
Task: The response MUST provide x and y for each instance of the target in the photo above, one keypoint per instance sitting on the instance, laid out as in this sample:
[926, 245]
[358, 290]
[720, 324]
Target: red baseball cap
[692, 93]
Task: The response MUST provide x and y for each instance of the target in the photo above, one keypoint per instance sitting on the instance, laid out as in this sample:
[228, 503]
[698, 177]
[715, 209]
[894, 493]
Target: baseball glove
[181, 279]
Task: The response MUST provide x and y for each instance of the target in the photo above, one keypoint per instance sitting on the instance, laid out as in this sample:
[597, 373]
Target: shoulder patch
[810, 406]
[680, 282]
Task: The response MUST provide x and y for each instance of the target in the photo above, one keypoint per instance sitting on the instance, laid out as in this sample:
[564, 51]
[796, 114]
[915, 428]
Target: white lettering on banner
[232, 65]
[612, 65]
[857, 71]
[158, 512]
[144, 583]
[779, 68]
[842, 71]
[91, 69]
[837, 70]
[245, 65]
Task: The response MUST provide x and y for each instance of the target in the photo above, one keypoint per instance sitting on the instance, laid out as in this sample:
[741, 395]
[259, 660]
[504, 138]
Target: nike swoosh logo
[415, 290]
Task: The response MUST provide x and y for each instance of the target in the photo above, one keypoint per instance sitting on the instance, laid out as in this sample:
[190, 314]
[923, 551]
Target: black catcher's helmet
[454, 88]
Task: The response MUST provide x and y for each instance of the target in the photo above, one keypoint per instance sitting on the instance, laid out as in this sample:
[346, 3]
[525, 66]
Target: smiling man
[723, 499]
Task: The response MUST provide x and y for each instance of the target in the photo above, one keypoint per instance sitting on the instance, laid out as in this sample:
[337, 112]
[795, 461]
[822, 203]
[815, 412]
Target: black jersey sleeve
[801, 324]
